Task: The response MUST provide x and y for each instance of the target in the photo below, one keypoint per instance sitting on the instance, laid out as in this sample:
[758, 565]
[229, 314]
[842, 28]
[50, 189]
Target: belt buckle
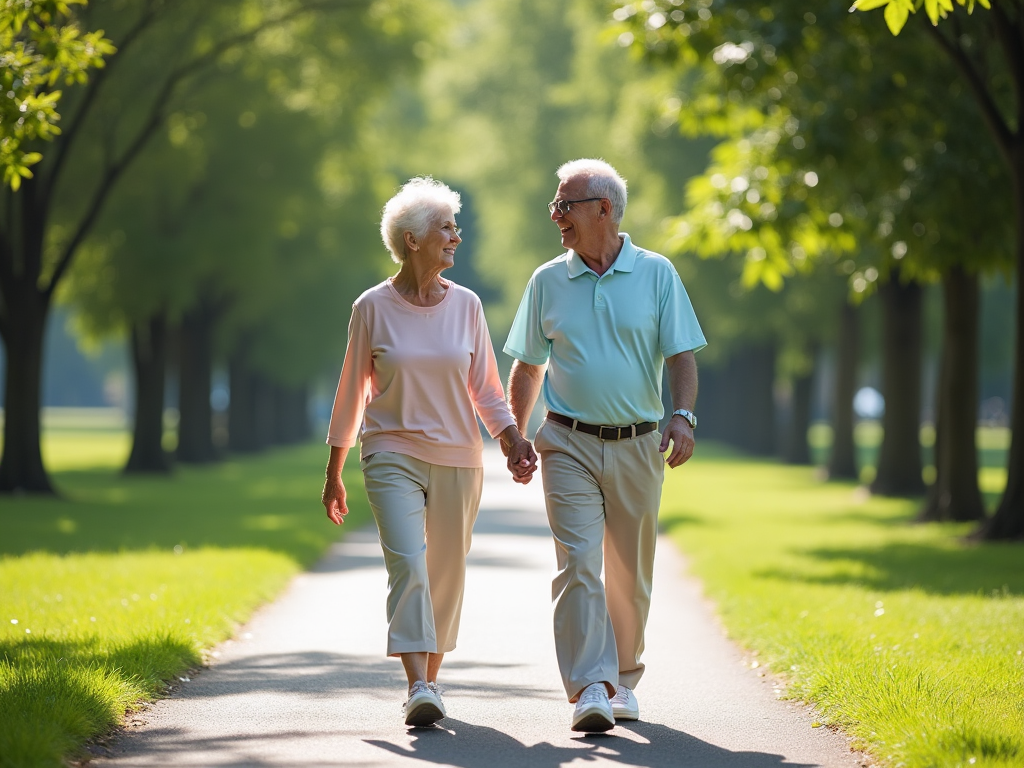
[602, 428]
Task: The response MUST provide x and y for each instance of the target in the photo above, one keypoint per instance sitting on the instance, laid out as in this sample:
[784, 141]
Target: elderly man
[602, 318]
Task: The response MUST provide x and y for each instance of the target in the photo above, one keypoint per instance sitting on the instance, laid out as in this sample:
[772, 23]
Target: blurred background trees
[831, 196]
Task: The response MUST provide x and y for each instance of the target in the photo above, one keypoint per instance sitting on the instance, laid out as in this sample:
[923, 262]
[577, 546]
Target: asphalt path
[306, 682]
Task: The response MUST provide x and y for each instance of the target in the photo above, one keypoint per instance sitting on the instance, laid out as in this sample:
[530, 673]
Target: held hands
[333, 499]
[522, 460]
[681, 435]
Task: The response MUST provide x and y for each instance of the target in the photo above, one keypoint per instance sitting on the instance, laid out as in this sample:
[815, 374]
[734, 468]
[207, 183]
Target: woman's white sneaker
[624, 704]
[424, 707]
[593, 710]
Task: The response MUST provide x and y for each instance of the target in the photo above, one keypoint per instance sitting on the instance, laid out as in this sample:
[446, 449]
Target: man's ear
[606, 207]
[410, 242]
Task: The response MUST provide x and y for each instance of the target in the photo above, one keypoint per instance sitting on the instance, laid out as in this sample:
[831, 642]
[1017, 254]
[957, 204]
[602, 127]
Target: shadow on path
[469, 746]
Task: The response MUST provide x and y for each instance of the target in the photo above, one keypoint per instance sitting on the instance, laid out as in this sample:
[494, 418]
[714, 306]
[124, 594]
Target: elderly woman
[418, 370]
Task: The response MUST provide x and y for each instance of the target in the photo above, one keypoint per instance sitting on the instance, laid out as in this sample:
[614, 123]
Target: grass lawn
[905, 637]
[117, 587]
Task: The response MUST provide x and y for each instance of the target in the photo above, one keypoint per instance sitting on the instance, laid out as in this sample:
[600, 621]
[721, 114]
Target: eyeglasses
[457, 231]
[564, 206]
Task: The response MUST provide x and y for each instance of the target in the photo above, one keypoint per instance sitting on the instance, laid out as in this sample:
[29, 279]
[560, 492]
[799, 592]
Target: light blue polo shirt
[605, 338]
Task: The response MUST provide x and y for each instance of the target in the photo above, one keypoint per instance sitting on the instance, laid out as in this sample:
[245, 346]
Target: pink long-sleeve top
[414, 379]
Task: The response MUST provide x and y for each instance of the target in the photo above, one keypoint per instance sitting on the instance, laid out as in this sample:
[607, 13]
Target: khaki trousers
[425, 515]
[602, 500]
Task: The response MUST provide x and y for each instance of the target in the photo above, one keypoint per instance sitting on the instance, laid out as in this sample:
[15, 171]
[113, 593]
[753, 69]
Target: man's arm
[682, 378]
[523, 389]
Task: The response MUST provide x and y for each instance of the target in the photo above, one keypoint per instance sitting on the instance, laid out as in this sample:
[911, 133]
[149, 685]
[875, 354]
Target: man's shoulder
[653, 260]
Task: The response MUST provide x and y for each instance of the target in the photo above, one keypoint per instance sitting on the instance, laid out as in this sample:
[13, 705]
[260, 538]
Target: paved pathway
[306, 683]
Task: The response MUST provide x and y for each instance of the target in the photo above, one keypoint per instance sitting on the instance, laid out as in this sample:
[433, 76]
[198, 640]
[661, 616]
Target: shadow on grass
[994, 569]
[270, 502]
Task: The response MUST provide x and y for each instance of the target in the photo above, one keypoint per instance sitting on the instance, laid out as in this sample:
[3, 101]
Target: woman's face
[437, 246]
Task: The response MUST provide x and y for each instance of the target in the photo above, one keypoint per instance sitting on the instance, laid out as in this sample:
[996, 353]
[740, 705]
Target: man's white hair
[419, 204]
[602, 181]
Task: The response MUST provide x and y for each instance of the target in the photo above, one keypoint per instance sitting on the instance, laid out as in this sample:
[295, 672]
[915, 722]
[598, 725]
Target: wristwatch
[691, 419]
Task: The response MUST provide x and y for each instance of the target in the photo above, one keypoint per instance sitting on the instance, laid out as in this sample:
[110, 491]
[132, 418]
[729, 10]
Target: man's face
[579, 227]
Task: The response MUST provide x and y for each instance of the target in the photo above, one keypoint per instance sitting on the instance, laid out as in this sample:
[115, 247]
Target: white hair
[602, 181]
[418, 205]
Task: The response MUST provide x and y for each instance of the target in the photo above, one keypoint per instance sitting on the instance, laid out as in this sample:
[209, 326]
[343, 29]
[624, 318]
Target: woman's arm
[333, 497]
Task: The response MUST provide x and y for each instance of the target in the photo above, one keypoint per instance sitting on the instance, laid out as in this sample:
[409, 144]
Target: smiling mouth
[449, 251]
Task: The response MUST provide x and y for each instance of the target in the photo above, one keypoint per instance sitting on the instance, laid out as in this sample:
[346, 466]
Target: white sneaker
[624, 704]
[593, 710]
[437, 692]
[423, 707]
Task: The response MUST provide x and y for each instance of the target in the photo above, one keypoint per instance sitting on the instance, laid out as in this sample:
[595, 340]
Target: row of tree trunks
[955, 494]
[899, 459]
[149, 344]
[736, 401]
[263, 413]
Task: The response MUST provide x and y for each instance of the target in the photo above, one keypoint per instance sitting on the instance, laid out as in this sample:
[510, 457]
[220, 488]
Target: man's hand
[333, 499]
[522, 461]
[680, 434]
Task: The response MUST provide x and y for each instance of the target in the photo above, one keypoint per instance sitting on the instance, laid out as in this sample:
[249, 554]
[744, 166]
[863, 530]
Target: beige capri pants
[602, 500]
[425, 515]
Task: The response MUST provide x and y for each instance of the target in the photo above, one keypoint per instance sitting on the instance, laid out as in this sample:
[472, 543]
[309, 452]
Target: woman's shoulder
[373, 295]
[462, 294]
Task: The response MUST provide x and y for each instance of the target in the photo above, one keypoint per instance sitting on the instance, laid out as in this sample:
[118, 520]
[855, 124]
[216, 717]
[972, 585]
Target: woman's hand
[522, 459]
[333, 497]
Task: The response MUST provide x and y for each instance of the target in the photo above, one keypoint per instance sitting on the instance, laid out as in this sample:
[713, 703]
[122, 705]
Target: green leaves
[898, 11]
[41, 46]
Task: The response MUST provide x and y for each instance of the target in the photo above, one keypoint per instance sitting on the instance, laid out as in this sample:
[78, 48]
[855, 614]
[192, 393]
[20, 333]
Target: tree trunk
[842, 464]
[955, 494]
[195, 427]
[265, 408]
[242, 407]
[21, 468]
[149, 357]
[290, 415]
[899, 460]
[757, 399]
[1008, 521]
[797, 450]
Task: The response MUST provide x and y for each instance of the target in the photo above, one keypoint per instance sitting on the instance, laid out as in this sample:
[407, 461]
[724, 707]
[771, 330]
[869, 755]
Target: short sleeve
[526, 340]
[679, 330]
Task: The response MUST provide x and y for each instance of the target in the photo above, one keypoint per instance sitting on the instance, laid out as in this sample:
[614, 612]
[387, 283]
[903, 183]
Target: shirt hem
[689, 346]
[444, 456]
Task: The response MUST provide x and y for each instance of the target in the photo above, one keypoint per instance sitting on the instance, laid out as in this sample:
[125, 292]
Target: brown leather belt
[604, 433]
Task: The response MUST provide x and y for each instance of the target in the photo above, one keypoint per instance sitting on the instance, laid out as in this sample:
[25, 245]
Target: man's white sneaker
[624, 704]
[423, 707]
[593, 710]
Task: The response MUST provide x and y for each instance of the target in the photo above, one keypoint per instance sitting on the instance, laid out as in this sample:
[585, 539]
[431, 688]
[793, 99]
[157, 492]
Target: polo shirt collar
[623, 262]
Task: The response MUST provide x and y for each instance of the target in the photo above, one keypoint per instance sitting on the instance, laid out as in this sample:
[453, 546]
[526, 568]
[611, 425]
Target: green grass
[117, 587]
[909, 639]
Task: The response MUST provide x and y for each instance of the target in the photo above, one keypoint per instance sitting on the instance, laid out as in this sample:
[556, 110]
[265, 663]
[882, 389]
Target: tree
[42, 46]
[986, 51]
[54, 211]
[860, 132]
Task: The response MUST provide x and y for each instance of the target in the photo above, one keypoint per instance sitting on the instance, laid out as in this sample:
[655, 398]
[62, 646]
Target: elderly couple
[593, 330]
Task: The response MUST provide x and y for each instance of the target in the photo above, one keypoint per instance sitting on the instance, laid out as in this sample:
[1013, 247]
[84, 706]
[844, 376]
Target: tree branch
[89, 98]
[989, 109]
[157, 115]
